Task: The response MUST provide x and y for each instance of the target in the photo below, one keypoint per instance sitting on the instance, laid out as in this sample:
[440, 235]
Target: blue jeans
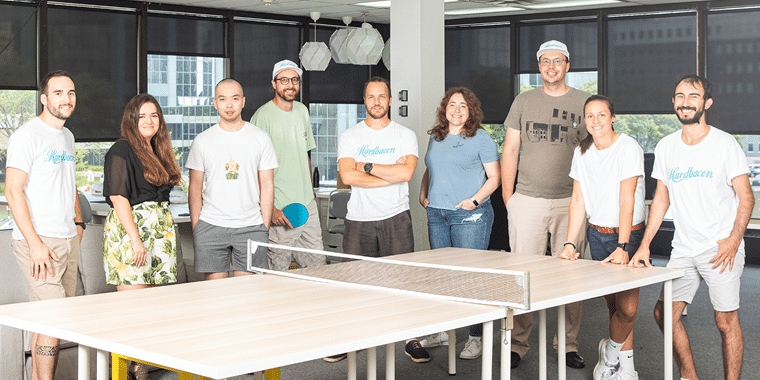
[602, 245]
[461, 229]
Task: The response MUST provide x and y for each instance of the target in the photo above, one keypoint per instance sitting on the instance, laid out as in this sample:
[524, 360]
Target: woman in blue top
[462, 171]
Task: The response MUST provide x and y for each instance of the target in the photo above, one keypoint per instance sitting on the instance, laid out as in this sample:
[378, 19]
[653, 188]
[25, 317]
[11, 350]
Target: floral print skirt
[156, 228]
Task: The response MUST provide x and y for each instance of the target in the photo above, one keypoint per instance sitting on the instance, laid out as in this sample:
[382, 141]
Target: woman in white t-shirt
[608, 187]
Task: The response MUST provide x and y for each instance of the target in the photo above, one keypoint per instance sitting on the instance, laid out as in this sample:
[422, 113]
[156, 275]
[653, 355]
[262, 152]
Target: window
[187, 96]
[328, 121]
[750, 147]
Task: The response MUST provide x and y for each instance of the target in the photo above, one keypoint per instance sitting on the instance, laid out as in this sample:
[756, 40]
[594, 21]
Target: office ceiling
[336, 9]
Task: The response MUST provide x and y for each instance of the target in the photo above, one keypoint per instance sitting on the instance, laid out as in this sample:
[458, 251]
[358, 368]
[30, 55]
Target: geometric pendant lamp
[365, 45]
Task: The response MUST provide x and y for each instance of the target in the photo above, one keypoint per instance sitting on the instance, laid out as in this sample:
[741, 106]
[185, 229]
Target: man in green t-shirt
[287, 123]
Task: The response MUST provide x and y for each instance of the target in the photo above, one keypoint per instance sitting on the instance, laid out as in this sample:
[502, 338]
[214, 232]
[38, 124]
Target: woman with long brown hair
[139, 243]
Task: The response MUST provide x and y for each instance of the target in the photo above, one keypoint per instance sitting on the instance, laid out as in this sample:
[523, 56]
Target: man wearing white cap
[287, 123]
[547, 123]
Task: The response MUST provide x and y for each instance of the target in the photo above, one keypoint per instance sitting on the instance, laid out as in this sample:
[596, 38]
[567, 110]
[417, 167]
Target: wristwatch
[475, 201]
[368, 167]
[624, 246]
[81, 224]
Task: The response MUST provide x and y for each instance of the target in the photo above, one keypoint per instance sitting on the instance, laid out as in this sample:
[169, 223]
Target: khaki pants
[531, 222]
[307, 236]
[63, 283]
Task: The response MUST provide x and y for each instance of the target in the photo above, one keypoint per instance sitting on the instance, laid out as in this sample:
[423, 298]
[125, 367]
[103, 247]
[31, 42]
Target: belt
[615, 230]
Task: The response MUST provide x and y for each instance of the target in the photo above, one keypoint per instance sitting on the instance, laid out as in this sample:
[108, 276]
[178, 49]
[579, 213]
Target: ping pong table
[235, 326]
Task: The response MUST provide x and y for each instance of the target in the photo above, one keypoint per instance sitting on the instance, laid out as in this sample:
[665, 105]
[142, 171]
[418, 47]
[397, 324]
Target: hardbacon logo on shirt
[54, 157]
[677, 176]
[366, 151]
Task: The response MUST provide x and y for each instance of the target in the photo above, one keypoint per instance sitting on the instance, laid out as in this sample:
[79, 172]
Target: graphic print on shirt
[367, 151]
[678, 175]
[231, 169]
[56, 158]
[563, 129]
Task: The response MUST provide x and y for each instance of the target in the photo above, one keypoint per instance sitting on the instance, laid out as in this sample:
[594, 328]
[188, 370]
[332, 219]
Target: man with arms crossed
[547, 123]
[287, 123]
[377, 158]
[49, 225]
[702, 177]
[238, 161]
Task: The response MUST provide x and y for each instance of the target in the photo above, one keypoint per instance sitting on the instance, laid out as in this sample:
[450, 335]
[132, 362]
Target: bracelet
[571, 243]
[475, 202]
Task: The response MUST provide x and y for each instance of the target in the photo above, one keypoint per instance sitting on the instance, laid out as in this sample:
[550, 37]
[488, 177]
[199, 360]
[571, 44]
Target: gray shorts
[216, 248]
[379, 238]
[722, 287]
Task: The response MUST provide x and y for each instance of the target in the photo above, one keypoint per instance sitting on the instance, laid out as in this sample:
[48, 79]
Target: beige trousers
[533, 221]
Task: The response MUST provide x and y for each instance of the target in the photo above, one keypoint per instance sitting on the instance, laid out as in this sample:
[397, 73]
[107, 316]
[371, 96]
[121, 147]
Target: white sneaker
[435, 340]
[629, 375]
[605, 370]
[472, 349]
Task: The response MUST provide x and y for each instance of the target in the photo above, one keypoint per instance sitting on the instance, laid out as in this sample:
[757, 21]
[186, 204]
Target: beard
[286, 97]
[378, 115]
[57, 112]
[690, 120]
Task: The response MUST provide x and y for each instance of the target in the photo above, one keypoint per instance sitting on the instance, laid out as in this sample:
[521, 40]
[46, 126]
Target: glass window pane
[478, 58]
[18, 42]
[580, 38]
[645, 57]
[187, 112]
[167, 34]
[91, 46]
[733, 44]
[327, 127]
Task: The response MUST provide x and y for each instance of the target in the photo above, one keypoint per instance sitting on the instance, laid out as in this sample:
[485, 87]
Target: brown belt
[615, 230]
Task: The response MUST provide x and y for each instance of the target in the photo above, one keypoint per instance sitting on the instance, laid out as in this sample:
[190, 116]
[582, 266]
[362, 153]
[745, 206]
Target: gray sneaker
[435, 340]
[472, 349]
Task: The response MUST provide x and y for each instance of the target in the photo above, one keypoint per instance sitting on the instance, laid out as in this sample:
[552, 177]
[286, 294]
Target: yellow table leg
[119, 368]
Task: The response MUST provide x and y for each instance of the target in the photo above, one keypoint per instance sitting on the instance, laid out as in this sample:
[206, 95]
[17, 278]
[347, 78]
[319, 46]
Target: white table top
[234, 326]
[229, 327]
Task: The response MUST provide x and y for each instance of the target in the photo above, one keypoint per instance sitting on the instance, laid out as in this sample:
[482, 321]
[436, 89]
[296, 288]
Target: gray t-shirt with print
[550, 129]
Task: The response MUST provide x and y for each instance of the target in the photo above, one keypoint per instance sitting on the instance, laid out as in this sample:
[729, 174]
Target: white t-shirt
[47, 155]
[600, 172]
[702, 199]
[384, 146]
[231, 162]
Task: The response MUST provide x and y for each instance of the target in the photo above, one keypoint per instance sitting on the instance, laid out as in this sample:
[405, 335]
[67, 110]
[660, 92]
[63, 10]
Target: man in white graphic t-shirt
[377, 158]
[701, 175]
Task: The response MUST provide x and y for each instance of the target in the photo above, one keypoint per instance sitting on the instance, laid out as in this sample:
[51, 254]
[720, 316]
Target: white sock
[626, 361]
[613, 350]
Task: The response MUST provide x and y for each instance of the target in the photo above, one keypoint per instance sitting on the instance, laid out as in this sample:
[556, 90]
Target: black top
[124, 175]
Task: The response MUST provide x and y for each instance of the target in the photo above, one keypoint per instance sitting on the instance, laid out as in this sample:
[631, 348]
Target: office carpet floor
[648, 346]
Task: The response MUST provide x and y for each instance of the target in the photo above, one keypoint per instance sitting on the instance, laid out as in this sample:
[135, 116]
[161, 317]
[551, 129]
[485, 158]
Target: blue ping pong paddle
[297, 214]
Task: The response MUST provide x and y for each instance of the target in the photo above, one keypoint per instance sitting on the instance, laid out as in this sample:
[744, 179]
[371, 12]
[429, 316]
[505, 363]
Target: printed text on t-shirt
[678, 176]
[366, 151]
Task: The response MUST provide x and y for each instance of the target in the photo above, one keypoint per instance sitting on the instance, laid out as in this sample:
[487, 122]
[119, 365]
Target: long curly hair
[441, 128]
[158, 159]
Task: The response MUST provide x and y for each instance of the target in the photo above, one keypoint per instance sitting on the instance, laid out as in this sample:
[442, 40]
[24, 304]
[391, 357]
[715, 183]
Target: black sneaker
[335, 358]
[415, 351]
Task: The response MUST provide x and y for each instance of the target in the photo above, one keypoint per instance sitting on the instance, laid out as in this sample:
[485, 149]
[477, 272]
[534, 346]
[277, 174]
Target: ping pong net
[465, 284]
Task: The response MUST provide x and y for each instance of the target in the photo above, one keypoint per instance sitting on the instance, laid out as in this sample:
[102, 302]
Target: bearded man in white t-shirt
[48, 224]
[701, 175]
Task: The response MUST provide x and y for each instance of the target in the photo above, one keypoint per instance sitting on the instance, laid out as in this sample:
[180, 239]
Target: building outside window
[328, 122]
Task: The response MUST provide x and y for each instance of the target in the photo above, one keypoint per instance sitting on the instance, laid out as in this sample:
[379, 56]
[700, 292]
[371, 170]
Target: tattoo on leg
[46, 350]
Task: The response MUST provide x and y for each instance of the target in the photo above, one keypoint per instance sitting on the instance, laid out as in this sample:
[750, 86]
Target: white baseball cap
[552, 45]
[285, 65]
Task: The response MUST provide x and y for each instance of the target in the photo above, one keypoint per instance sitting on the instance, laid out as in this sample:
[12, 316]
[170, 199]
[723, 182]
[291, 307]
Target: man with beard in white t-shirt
[701, 175]
[377, 158]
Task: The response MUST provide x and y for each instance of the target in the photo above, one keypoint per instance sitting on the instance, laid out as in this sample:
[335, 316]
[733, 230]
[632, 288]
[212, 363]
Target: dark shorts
[216, 247]
[379, 238]
[602, 245]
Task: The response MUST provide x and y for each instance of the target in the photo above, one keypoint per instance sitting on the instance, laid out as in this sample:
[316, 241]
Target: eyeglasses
[555, 61]
[284, 81]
